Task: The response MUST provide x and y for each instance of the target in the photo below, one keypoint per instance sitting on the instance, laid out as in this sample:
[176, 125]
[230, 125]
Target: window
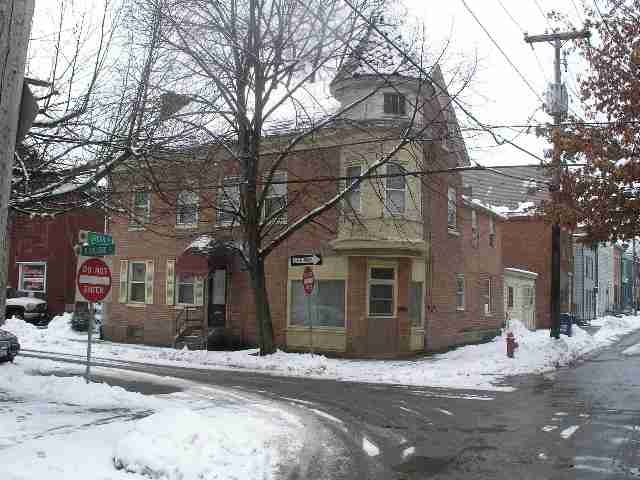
[185, 289]
[492, 232]
[475, 233]
[451, 208]
[459, 292]
[32, 277]
[510, 297]
[415, 304]
[328, 304]
[228, 201]
[394, 103]
[489, 297]
[395, 189]
[381, 291]
[137, 283]
[528, 296]
[187, 208]
[141, 209]
[353, 197]
[276, 198]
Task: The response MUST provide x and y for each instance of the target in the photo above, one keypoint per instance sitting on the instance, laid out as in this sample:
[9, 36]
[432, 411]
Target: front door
[217, 298]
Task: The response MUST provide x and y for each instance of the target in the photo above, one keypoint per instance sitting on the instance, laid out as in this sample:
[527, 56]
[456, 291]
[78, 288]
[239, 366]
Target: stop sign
[94, 280]
[308, 280]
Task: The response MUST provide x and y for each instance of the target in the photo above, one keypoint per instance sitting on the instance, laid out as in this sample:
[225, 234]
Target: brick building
[408, 265]
[42, 261]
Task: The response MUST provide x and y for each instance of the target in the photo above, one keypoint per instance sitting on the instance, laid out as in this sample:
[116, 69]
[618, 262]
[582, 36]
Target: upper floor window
[187, 208]
[275, 200]
[394, 103]
[353, 197]
[475, 232]
[228, 203]
[492, 232]
[395, 189]
[452, 211]
[140, 208]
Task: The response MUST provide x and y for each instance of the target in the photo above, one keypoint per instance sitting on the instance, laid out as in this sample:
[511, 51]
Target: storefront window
[326, 305]
[33, 277]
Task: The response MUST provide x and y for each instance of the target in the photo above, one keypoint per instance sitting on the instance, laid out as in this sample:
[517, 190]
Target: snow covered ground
[54, 426]
[475, 367]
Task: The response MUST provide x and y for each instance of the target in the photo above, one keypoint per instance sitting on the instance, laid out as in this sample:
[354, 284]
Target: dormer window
[394, 104]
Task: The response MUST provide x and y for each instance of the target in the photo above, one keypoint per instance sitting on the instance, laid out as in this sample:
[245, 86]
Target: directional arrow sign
[302, 260]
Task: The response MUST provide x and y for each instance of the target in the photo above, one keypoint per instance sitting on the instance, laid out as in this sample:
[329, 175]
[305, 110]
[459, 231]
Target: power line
[513, 65]
[604, 20]
[546, 19]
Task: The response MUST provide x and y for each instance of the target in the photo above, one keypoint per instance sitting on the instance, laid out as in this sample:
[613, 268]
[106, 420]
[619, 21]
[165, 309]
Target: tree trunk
[263, 312]
[15, 26]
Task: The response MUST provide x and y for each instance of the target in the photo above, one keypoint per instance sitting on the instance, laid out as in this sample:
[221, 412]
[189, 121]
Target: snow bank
[58, 331]
[178, 443]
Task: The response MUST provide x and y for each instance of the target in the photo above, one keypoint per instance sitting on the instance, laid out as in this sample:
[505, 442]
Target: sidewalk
[482, 366]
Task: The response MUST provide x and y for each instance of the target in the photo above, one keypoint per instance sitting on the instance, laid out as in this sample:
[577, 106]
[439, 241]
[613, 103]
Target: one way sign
[303, 260]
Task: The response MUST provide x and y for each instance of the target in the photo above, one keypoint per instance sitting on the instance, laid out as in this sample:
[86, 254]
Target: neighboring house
[419, 269]
[606, 279]
[520, 296]
[42, 261]
[526, 237]
[626, 281]
[585, 288]
[617, 277]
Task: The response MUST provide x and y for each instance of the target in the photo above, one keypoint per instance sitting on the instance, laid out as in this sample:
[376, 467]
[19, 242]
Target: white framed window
[32, 277]
[452, 209]
[416, 304]
[187, 206]
[137, 282]
[489, 298]
[140, 208]
[492, 232]
[382, 282]
[475, 232]
[394, 103]
[395, 188]
[328, 306]
[459, 291]
[353, 197]
[276, 198]
[228, 201]
[185, 289]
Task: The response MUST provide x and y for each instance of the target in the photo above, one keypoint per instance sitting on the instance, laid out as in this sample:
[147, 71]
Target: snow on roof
[200, 243]
[478, 203]
[520, 271]
[24, 301]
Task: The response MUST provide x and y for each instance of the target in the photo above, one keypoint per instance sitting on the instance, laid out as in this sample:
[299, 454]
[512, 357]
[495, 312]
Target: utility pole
[557, 107]
[633, 279]
[15, 27]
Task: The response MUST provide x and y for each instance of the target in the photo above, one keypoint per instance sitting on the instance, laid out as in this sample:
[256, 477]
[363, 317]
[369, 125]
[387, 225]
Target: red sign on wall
[94, 280]
[308, 280]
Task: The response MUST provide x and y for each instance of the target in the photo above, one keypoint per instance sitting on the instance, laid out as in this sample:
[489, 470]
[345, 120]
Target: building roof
[514, 188]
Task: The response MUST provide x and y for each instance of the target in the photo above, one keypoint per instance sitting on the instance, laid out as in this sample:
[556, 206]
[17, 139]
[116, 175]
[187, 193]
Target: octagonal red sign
[94, 280]
[308, 280]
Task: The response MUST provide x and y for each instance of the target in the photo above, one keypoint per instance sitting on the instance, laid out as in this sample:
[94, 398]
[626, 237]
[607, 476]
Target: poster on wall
[33, 277]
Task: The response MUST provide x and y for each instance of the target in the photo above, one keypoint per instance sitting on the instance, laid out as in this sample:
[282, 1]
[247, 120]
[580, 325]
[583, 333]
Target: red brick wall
[51, 240]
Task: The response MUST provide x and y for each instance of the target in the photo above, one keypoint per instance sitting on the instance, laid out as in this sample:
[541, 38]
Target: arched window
[187, 208]
[395, 189]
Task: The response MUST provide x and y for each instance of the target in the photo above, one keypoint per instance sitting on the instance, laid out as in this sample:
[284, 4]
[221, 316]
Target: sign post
[94, 283]
[308, 282]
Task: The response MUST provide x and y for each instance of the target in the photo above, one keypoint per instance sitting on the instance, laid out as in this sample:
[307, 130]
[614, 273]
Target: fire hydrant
[511, 344]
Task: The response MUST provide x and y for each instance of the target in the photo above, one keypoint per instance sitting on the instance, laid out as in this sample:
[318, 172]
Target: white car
[30, 309]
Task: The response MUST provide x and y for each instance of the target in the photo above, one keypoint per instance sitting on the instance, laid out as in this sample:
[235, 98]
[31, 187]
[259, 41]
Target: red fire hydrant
[511, 344]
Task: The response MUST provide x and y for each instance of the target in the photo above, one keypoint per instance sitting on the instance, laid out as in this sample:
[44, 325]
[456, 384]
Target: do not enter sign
[94, 280]
[308, 280]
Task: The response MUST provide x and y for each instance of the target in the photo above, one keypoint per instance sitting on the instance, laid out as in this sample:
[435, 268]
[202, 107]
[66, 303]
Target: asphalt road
[581, 422]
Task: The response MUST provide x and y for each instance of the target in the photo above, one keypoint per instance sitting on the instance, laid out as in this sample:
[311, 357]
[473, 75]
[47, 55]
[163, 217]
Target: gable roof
[493, 186]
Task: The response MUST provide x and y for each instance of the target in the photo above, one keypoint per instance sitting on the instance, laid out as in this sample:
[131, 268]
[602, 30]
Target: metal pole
[87, 374]
[633, 279]
[310, 319]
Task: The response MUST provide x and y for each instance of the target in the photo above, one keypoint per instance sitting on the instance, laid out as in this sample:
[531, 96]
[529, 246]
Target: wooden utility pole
[558, 109]
[15, 26]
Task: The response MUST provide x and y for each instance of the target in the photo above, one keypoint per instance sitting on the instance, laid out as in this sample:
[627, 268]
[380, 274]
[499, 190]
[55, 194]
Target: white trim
[130, 281]
[393, 283]
[20, 276]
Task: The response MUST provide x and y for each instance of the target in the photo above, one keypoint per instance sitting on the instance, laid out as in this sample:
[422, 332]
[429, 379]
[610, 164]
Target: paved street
[581, 422]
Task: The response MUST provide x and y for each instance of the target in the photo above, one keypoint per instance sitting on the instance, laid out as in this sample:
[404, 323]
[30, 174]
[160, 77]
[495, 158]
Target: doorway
[217, 315]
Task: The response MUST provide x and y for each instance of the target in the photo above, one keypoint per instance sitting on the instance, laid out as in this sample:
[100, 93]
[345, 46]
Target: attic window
[394, 104]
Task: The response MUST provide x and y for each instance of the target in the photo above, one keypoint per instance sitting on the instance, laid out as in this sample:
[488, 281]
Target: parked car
[31, 309]
[9, 346]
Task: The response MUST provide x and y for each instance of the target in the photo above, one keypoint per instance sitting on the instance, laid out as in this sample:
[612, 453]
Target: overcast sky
[498, 94]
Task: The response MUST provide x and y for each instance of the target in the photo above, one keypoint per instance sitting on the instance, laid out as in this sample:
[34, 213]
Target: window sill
[136, 229]
[186, 226]
[305, 328]
[388, 317]
[136, 305]
[453, 231]
[458, 309]
[186, 306]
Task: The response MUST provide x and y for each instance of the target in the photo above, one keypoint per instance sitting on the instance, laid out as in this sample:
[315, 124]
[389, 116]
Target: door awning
[197, 258]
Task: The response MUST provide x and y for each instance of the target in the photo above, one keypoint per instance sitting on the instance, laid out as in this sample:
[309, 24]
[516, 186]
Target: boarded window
[325, 307]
